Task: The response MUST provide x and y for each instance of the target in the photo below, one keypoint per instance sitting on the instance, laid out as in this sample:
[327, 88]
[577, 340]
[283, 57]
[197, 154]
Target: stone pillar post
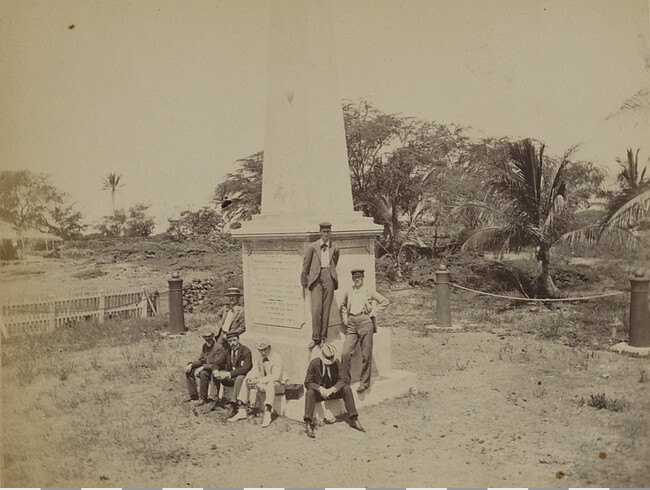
[176, 316]
[639, 324]
[443, 303]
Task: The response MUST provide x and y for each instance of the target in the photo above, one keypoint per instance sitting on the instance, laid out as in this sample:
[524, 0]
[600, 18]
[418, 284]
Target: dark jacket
[314, 378]
[213, 358]
[243, 362]
[311, 265]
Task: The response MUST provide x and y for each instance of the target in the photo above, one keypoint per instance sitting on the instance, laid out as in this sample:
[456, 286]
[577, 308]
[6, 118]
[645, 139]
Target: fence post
[51, 317]
[639, 317]
[102, 306]
[443, 306]
[142, 304]
[176, 317]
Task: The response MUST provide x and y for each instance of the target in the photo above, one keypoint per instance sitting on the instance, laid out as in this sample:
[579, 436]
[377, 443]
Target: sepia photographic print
[324, 243]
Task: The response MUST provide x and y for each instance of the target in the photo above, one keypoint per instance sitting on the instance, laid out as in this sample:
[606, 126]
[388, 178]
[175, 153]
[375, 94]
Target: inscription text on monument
[274, 289]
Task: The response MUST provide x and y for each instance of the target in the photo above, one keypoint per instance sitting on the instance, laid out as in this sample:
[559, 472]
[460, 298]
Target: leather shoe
[309, 429]
[214, 406]
[312, 344]
[362, 388]
[354, 423]
[232, 410]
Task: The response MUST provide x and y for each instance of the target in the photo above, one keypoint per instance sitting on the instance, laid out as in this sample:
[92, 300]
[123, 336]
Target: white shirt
[228, 321]
[325, 254]
[357, 299]
[233, 355]
[326, 369]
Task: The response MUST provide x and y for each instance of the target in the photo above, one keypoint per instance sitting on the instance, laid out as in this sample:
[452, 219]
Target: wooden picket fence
[22, 315]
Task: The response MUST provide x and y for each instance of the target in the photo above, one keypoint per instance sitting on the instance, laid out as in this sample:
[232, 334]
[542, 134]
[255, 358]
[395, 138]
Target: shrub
[601, 402]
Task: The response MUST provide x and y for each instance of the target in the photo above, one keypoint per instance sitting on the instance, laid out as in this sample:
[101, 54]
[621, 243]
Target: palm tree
[629, 176]
[112, 182]
[630, 206]
[527, 205]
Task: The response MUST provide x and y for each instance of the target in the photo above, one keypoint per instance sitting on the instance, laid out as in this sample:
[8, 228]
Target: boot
[267, 418]
[240, 415]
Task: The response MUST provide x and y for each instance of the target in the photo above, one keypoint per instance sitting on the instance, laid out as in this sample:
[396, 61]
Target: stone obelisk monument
[306, 180]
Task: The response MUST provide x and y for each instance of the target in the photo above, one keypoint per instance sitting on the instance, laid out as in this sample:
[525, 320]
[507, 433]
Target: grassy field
[521, 395]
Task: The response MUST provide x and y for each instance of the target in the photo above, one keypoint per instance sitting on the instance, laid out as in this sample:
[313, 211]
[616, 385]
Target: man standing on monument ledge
[319, 276]
[359, 307]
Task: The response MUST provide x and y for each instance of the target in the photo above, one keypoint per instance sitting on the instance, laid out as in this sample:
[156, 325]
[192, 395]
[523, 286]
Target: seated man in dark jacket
[212, 358]
[325, 381]
[238, 363]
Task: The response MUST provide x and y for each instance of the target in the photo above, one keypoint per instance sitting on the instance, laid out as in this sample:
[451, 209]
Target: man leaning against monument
[231, 316]
[265, 380]
[326, 381]
[359, 307]
[212, 358]
[319, 276]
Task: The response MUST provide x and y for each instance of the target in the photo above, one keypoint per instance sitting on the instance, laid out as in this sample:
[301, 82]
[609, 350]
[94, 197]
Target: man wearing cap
[359, 307]
[267, 379]
[231, 317]
[319, 276]
[325, 381]
[212, 358]
[238, 364]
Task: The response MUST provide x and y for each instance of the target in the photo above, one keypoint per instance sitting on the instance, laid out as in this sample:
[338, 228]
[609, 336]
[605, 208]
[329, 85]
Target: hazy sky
[171, 93]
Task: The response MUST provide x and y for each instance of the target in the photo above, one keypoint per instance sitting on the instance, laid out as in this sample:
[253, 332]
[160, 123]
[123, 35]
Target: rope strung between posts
[541, 300]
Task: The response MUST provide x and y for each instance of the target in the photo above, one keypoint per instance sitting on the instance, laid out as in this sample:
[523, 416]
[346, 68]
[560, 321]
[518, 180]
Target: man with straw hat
[326, 381]
[231, 316]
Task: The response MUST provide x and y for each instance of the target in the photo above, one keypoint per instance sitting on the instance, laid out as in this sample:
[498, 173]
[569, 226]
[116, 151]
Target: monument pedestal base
[624, 347]
[278, 308]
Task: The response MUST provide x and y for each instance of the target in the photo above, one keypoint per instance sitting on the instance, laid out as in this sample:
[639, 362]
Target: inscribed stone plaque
[274, 287]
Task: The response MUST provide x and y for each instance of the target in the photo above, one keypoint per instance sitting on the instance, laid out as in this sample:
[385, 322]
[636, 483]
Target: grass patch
[79, 337]
[601, 401]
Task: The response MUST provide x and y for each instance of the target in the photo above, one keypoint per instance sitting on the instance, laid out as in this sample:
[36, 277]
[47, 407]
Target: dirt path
[490, 411]
[496, 405]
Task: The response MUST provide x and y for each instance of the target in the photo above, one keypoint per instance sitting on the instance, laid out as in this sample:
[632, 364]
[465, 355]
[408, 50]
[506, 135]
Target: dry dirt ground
[496, 406]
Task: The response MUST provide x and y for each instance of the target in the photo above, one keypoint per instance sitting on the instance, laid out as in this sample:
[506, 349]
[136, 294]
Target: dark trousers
[312, 396]
[204, 382]
[359, 330]
[236, 382]
[322, 294]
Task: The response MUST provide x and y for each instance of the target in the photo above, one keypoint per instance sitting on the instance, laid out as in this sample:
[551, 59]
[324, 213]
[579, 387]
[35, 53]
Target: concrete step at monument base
[391, 385]
[296, 356]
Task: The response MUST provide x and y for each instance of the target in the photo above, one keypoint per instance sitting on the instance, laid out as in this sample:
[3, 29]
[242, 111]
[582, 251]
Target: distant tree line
[412, 175]
[29, 200]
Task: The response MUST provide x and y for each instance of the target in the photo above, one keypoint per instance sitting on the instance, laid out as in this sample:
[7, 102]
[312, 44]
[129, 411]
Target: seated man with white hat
[326, 380]
[266, 379]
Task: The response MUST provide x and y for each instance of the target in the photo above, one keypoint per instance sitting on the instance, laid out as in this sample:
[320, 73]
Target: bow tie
[323, 246]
